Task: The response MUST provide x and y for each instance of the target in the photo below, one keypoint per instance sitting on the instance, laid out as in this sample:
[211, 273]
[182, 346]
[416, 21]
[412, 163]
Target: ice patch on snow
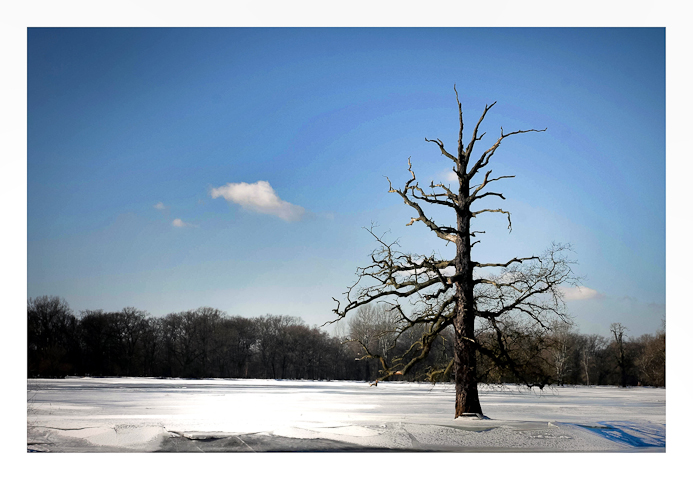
[330, 432]
[129, 436]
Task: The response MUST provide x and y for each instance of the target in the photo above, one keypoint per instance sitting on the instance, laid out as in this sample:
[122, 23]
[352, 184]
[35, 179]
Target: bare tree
[563, 344]
[651, 361]
[131, 325]
[373, 329]
[53, 348]
[618, 331]
[273, 344]
[589, 348]
[438, 292]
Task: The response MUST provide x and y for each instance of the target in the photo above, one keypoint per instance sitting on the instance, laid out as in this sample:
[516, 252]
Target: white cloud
[259, 197]
[450, 176]
[580, 293]
[446, 176]
[160, 206]
[179, 223]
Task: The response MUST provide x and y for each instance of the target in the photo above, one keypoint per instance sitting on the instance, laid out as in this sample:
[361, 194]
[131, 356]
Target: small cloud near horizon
[180, 223]
[259, 197]
[445, 176]
[160, 206]
[580, 293]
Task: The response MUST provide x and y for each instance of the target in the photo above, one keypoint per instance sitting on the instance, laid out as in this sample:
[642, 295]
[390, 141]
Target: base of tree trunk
[480, 416]
[467, 401]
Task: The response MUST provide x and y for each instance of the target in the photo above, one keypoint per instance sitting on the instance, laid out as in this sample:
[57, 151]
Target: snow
[148, 415]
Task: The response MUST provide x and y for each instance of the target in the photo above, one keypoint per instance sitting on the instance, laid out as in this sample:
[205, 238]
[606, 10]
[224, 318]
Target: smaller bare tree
[590, 346]
[373, 330]
[563, 342]
[618, 331]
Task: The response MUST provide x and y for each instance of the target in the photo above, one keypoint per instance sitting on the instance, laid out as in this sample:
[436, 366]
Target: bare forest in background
[209, 343]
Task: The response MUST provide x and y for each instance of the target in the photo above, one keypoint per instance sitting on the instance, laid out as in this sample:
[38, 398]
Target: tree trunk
[466, 393]
[622, 366]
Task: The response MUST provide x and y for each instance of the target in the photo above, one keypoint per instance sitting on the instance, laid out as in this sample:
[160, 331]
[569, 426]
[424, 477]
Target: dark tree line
[208, 343]
[200, 343]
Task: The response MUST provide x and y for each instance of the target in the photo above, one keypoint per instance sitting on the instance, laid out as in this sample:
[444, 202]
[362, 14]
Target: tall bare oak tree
[492, 307]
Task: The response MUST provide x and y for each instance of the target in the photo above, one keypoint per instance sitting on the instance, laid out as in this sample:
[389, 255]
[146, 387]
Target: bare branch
[394, 275]
[497, 210]
[460, 146]
[486, 156]
[506, 264]
[470, 145]
[449, 193]
[446, 233]
[438, 142]
[485, 182]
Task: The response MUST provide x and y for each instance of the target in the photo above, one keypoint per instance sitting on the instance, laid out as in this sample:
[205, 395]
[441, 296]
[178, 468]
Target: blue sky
[140, 141]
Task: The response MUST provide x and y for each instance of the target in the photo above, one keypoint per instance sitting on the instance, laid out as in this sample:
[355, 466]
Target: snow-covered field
[175, 415]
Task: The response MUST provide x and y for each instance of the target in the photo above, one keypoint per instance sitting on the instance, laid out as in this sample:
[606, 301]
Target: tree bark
[466, 392]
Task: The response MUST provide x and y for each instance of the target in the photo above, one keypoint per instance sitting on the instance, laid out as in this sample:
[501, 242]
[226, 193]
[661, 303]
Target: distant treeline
[208, 343]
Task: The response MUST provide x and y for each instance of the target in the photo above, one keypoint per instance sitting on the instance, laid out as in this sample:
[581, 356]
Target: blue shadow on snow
[637, 435]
